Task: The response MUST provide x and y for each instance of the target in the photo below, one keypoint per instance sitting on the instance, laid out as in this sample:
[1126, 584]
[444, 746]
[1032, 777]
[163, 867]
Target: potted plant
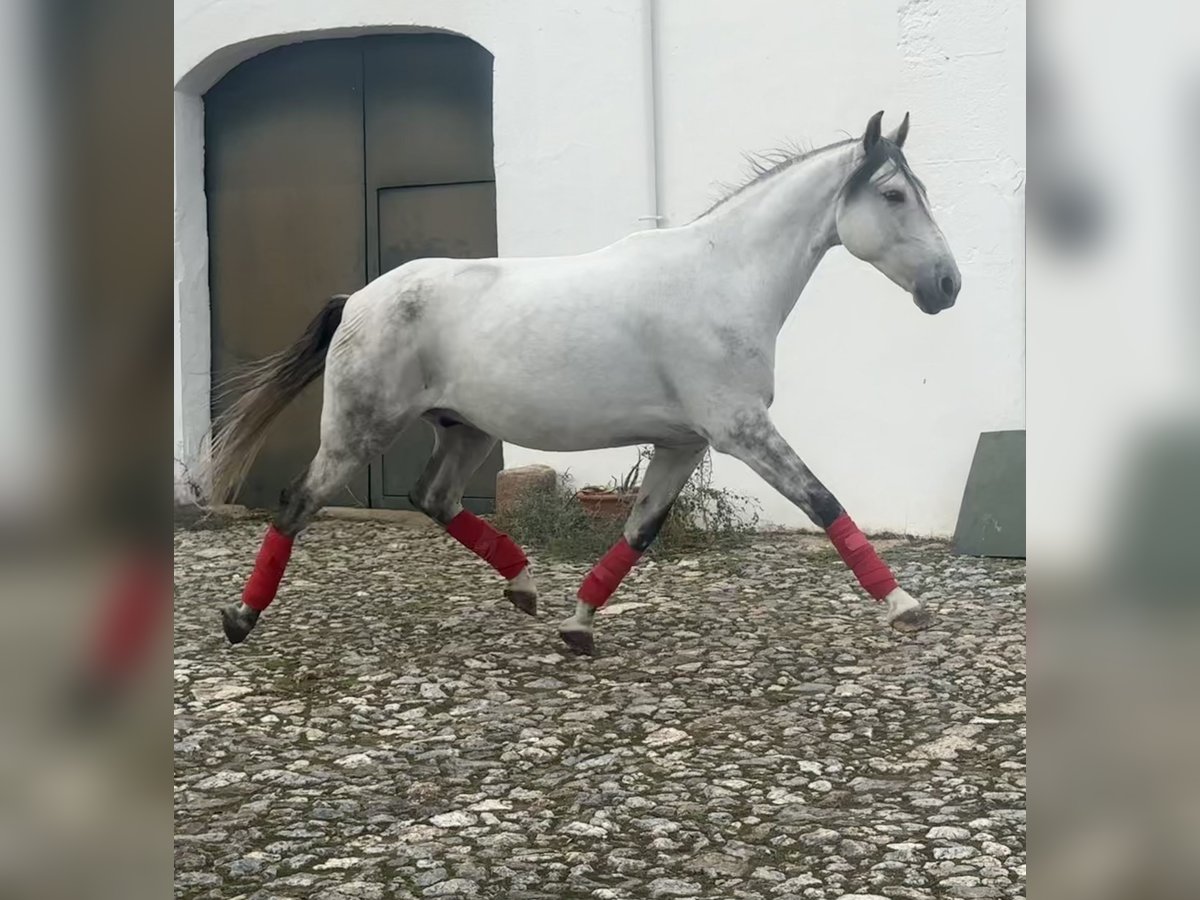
[615, 499]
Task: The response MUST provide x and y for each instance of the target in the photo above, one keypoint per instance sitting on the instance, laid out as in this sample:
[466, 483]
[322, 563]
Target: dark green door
[328, 163]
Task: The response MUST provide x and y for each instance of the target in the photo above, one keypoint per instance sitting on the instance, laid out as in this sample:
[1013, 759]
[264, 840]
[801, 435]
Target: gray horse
[666, 337]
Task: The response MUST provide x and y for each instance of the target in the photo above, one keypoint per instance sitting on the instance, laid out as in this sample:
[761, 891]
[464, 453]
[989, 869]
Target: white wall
[883, 402]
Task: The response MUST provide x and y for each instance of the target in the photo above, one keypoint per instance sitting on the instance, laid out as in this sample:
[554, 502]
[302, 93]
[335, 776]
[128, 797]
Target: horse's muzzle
[939, 289]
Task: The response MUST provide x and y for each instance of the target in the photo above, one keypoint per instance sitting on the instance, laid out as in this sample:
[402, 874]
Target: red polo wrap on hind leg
[856, 551]
[268, 569]
[607, 574]
[139, 602]
[494, 547]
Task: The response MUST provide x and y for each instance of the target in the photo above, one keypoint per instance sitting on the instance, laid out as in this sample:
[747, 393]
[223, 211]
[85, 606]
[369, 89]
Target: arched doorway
[326, 164]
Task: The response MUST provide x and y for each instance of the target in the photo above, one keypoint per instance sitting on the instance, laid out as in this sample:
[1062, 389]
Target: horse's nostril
[948, 286]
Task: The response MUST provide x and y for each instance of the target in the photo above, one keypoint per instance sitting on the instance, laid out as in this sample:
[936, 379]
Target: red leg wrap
[607, 574]
[268, 569]
[856, 551]
[137, 606]
[493, 547]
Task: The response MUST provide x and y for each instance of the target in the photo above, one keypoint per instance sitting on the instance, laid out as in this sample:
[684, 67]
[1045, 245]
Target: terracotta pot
[606, 504]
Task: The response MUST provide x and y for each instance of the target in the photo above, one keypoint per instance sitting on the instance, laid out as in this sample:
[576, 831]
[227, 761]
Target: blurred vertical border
[85, 487]
[1113, 337]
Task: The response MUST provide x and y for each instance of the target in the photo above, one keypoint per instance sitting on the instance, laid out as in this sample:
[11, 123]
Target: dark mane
[772, 162]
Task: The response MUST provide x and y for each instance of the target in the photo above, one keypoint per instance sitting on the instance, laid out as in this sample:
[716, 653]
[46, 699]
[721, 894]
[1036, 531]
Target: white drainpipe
[650, 104]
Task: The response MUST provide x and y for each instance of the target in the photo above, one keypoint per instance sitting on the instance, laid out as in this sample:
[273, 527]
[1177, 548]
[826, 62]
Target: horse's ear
[871, 137]
[900, 133]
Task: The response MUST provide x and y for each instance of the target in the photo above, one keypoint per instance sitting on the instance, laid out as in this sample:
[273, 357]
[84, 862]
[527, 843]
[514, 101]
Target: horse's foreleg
[459, 450]
[666, 475]
[752, 438]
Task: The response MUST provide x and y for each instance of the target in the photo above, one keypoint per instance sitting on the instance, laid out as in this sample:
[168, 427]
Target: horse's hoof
[525, 601]
[238, 620]
[578, 640]
[913, 620]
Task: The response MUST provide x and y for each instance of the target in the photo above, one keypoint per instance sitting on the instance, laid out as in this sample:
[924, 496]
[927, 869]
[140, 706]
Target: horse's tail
[265, 388]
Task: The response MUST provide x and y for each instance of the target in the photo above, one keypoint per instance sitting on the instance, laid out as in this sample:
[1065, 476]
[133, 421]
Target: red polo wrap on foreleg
[495, 548]
[607, 574]
[856, 551]
[268, 569]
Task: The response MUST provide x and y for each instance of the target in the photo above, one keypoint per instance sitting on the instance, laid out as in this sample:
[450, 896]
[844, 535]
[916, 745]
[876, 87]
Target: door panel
[284, 177]
[456, 220]
[431, 192]
[428, 110]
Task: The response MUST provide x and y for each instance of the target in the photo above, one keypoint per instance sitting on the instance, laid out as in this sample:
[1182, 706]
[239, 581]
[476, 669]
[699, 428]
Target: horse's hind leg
[347, 444]
[668, 472]
[458, 452]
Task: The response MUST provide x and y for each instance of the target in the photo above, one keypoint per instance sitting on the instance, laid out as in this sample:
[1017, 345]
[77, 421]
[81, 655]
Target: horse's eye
[893, 196]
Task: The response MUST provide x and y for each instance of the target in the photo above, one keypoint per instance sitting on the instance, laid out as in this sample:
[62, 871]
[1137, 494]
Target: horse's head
[883, 217]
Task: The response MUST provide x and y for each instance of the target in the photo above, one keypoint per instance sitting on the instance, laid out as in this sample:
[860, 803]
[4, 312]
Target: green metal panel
[991, 521]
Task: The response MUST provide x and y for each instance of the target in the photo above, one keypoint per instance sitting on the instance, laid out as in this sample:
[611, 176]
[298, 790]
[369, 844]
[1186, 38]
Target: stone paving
[749, 728]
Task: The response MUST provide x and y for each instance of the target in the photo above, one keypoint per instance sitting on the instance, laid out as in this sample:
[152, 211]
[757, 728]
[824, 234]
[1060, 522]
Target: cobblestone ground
[749, 729]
